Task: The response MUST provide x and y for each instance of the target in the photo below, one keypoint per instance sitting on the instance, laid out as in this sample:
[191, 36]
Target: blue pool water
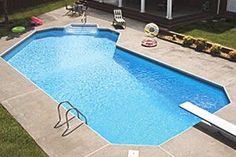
[126, 99]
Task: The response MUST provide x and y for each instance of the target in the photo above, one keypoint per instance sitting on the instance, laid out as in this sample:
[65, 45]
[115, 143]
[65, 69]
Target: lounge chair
[79, 7]
[216, 121]
[71, 9]
[118, 19]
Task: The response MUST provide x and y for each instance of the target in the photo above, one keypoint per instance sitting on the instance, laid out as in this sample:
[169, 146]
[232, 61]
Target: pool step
[87, 29]
[74, 111]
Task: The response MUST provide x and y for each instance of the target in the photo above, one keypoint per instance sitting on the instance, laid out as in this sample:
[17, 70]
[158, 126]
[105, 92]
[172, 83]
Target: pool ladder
[78, 115]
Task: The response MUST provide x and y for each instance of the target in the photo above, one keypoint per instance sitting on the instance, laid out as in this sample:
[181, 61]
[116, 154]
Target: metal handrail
[68, 110]
[67, 120]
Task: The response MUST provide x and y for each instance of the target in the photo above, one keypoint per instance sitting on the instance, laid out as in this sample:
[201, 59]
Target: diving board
[210, 118]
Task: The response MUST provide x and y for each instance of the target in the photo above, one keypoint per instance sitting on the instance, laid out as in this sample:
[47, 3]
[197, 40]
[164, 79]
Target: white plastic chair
[118, 19]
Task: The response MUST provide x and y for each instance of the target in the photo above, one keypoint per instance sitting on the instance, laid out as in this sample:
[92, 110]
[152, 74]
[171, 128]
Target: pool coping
[133, 52]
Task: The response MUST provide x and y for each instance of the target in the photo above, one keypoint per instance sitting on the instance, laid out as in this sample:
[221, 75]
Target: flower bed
[198, 44]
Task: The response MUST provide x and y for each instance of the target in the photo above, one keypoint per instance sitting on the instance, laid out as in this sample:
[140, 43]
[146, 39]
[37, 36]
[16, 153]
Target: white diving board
[210, 118]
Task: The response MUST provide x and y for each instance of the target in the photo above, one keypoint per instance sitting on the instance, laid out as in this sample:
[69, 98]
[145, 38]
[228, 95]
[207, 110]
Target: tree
[5, 12]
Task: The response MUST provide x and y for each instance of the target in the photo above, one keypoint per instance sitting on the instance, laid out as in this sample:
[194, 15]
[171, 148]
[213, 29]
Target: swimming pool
[127, 99]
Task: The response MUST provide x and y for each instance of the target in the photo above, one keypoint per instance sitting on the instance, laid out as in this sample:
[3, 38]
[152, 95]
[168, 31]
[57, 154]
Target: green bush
[215, 49]
[188, 41]
[201, 44]
[232, 55]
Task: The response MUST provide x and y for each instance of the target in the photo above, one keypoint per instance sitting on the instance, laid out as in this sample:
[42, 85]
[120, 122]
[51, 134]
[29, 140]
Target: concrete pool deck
[37, 113]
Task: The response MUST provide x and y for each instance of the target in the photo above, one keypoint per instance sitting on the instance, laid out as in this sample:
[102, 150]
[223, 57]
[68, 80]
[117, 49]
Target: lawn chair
[71, 9]
[77, 8]
[118, 19]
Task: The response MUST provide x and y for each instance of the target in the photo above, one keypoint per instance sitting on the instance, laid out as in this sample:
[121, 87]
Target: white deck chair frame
[118, 19]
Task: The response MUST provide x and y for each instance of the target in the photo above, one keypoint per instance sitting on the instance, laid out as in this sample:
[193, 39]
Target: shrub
[232, 55]
[174, 37]
[215, 49]
[201, 44]
[188, 41]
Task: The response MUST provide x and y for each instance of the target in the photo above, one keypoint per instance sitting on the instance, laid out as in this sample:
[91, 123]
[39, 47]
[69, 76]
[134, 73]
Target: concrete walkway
[37, 113]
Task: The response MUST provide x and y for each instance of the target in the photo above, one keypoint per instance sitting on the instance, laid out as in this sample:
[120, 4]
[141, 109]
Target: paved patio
[37, 113]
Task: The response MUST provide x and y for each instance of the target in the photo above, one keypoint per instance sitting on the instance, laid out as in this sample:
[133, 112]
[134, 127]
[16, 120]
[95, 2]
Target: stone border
[224, 50]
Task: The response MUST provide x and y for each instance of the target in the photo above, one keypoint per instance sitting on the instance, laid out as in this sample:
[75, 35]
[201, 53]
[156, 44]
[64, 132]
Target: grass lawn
[22, 17]
[222, 31]
[14, 140]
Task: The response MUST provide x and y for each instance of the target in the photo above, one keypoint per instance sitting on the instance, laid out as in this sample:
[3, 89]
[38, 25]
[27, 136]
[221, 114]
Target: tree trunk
[5, 12]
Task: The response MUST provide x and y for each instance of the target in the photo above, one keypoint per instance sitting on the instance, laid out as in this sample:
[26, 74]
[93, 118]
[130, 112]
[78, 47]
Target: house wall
[231, 6]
